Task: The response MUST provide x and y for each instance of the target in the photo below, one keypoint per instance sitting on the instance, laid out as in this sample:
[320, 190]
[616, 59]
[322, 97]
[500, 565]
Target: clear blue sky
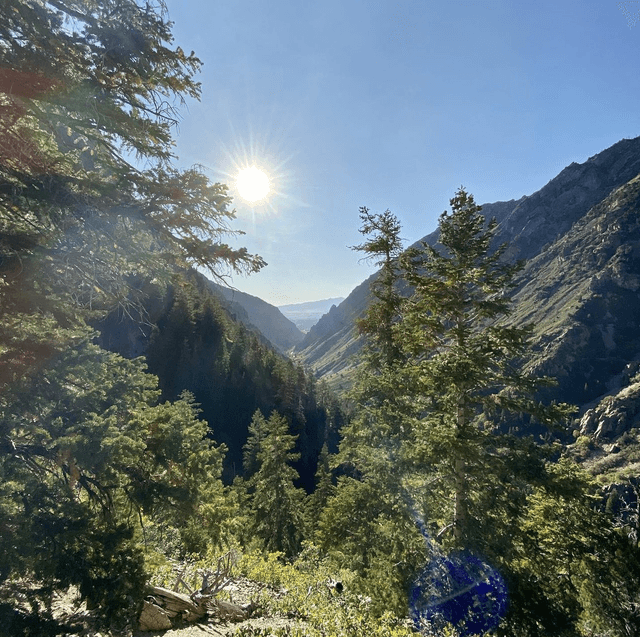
[394, 105]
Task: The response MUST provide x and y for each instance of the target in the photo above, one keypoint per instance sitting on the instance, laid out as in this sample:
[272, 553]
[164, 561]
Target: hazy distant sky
[394, 105]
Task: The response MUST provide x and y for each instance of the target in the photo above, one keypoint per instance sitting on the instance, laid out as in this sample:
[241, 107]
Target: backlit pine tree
[367, 519]
[86, 450]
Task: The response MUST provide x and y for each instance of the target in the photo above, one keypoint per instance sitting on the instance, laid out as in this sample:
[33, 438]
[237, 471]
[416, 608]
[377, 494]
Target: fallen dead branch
[164, 607]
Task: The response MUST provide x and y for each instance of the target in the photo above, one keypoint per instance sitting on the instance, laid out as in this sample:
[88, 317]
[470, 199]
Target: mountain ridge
[535, 228]
[252, 311]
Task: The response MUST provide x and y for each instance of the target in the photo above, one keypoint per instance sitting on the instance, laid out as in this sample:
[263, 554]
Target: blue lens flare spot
[461, 590]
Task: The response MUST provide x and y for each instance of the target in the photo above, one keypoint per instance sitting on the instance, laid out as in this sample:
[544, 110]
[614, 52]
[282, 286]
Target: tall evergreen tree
[255, 440]
[317, 501]
[370, 436]
[366, 522]
[486, 491]
[464, 367]
[84, 445]
[383, 246]
[276, 503]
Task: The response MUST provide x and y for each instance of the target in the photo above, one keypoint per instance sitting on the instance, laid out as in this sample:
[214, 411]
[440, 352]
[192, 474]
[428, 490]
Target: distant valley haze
[306, 315]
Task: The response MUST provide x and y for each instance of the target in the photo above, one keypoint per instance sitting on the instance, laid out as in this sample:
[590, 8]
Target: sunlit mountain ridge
[580, 237]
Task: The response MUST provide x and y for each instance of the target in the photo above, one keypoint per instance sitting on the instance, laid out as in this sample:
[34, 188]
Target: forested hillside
[150, 442]
[192, 342]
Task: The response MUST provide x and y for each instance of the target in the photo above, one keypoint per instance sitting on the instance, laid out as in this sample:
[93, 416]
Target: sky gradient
[394, 105]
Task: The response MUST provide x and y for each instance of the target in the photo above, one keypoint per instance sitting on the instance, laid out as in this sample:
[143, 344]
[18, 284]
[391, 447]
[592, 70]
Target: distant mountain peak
[322, 303]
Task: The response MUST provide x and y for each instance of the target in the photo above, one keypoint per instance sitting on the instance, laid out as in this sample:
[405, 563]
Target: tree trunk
[460, 504]
[459, 472]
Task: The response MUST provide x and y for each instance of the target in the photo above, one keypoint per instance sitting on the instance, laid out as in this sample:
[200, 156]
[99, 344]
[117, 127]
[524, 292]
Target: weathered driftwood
[177, 604]
[163, 607]
[227, 611]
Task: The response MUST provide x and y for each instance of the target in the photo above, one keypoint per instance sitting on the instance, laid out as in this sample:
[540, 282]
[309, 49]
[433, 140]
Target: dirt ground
[221, 630]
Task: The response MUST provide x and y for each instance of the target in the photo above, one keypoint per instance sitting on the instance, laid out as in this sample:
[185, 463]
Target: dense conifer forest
[143, 430]
[191, 342]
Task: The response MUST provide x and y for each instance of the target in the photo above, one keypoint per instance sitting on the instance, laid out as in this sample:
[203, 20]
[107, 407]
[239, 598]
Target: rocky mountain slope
[580, 235]
[581, 293]
[253, 312]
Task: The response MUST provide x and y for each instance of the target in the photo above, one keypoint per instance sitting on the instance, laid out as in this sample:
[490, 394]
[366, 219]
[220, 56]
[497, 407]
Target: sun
[253, 184]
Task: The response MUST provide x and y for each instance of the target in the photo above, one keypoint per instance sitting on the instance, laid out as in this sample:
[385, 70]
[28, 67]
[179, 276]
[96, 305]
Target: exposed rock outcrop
[613, 415]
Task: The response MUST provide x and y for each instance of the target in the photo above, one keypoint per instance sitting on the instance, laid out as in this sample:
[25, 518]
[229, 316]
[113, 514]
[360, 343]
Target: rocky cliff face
[546, 215]
[581, 292]
[580, 235]
[613, 415]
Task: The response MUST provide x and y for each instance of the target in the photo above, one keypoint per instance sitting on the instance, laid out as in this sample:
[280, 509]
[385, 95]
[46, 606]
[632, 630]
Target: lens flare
[458, 590]
[461, 590]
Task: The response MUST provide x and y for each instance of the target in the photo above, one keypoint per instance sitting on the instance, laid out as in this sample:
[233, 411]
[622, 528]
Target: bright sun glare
[253, 184]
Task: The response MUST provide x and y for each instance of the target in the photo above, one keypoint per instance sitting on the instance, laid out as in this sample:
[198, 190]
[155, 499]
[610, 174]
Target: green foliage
[463, 368]
[572, 571]
[255, 440]
[383, 247]
[369, 531]
[84, 86]
[276, 504]
[428, 446]
[87, 450]
[366, 525]
[303, 593]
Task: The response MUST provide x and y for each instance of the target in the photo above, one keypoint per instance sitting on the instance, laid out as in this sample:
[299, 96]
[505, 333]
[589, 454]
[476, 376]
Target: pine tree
[383, 246]
[253, 446]
[276, 503]
[464, 368]
[86, 450]
[366, 522]
[371, 436]
[85, 86]
[324, 489]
